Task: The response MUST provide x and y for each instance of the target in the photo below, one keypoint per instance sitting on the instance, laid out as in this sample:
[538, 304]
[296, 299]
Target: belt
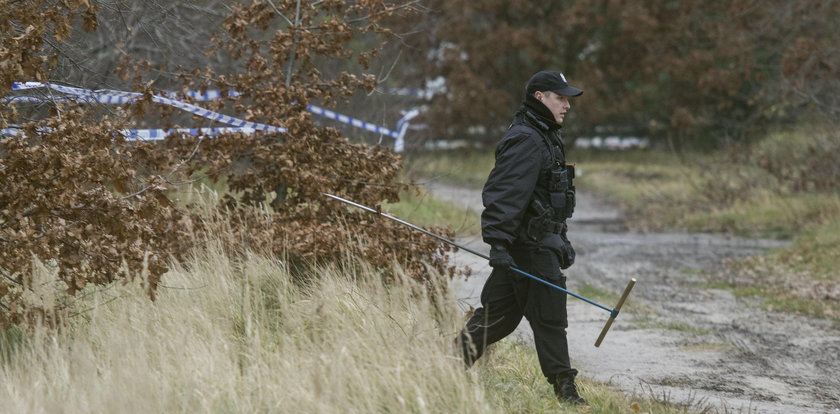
[556, 227]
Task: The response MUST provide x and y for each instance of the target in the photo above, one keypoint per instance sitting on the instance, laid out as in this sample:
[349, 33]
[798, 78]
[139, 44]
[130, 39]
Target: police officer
[527, 199]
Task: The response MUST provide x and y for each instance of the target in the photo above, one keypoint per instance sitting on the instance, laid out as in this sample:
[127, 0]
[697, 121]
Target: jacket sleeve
[509, 188]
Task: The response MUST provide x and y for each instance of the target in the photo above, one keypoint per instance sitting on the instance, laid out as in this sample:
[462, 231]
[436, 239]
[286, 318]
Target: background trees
[696, 70]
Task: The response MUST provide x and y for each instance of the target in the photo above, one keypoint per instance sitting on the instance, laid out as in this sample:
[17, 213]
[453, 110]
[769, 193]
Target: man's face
[557, 104]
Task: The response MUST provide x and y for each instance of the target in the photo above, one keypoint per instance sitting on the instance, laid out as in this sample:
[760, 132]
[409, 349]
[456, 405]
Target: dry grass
[244, 337]
[247, 336]
[243, 334]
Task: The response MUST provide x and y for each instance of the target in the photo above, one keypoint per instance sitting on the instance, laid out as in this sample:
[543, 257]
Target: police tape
[155, 134]
[358, 123]
[197, 96]
[109, 96]
[159, 134]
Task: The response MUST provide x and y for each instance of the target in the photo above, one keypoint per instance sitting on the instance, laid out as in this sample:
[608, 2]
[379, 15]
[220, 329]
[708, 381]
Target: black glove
[499, 257]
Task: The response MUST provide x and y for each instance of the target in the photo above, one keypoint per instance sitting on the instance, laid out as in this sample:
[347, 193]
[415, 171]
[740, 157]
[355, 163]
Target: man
[527, 199]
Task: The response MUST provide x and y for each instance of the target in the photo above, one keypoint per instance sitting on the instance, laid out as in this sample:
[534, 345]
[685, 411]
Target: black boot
[468, 350]
[565, 388]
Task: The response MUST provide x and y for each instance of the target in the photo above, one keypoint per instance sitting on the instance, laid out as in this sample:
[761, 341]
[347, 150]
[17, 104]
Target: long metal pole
[613, 312]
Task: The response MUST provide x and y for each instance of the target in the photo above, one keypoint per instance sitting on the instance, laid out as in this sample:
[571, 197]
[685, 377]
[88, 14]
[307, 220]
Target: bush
[802, 161]
[94, 209]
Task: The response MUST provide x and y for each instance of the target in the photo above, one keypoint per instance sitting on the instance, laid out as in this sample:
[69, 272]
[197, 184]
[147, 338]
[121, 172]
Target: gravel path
[674, 339]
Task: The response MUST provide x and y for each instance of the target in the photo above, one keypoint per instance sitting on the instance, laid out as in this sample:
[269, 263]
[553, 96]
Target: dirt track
[696, 346]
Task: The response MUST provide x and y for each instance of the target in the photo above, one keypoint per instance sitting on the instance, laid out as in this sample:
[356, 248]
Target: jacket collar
[539, 114]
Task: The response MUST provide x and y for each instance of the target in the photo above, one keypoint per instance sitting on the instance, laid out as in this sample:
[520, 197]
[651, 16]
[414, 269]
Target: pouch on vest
[561, 246]
[562, 192]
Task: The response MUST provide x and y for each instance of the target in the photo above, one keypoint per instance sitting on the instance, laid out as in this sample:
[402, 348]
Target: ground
[678, 339]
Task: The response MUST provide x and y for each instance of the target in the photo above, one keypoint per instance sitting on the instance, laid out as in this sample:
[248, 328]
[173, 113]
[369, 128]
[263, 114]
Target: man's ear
[538, 95]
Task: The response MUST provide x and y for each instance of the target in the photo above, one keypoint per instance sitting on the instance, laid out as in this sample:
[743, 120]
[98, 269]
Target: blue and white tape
[157, 134]
[351, 121]
[108, 96]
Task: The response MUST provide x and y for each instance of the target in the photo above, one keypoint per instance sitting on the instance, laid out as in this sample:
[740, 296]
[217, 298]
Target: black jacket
[523, 160]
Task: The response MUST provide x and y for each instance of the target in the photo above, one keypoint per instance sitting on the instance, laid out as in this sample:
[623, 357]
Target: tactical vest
[558, 182]
[553, 200]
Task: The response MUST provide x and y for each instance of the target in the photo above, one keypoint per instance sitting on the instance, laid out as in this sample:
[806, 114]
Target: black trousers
[507, 296]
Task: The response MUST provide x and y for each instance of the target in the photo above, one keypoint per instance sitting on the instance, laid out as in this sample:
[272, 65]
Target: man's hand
[499, 257]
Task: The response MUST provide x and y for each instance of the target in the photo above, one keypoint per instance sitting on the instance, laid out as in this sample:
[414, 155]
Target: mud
[676, 339]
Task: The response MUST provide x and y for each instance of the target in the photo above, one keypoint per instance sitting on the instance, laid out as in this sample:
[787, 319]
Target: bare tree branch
[279, 13]
[293, 53]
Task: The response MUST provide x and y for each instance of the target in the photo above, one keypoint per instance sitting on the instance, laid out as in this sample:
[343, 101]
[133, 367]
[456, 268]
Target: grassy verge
[421, 208]
[659, 191]
[468, 169]
[515, 385]
[802, 279]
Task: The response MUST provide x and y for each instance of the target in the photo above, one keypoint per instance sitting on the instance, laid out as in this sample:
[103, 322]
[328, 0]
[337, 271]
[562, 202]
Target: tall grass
[245, 336]
[235, 331]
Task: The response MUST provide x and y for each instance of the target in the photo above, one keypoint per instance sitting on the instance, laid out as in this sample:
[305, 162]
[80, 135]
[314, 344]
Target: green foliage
[708, 347]
[655, 323]
[650, 186]
[597, 294]
[766, 213]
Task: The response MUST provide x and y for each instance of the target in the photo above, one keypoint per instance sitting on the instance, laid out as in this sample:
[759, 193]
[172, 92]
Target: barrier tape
[114, 97]
[158, 134]
[352, 121]
[107, 96]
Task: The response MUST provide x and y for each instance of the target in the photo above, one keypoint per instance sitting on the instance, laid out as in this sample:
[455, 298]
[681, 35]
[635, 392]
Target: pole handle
[615, 312]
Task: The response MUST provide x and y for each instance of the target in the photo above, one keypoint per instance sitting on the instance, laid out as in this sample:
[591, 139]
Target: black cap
[549, 80]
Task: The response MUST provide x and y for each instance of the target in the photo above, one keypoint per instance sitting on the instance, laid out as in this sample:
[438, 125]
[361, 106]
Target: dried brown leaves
[94, 209]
